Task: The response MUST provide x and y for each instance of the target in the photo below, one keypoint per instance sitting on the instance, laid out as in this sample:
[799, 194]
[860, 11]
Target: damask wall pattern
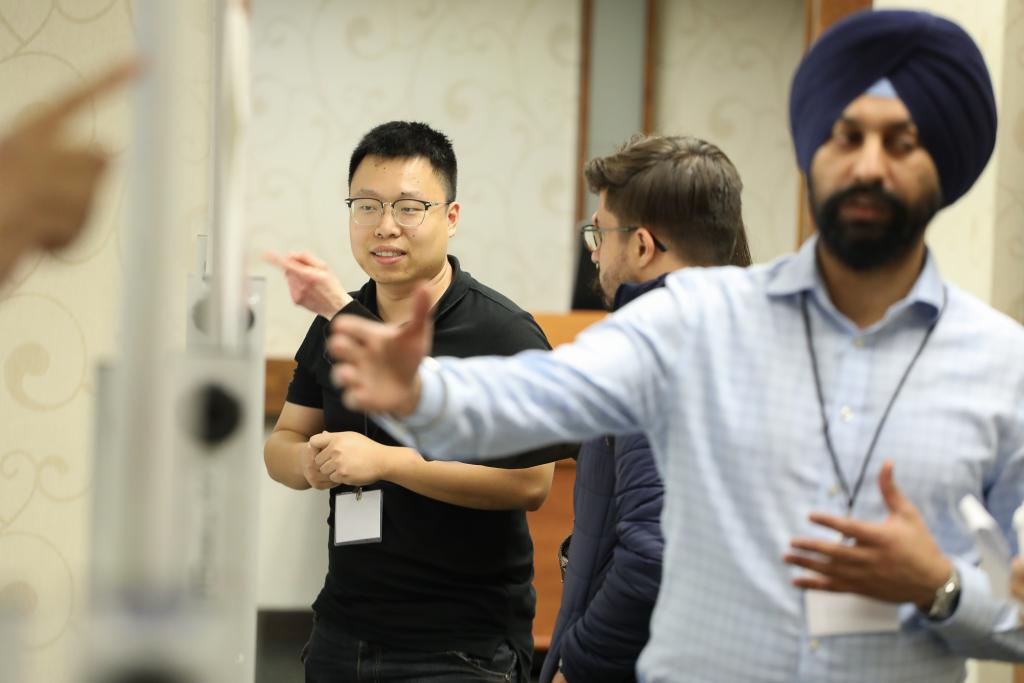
[59, 314]
[1008, 265]
[722, 73]
[979, 241]
[501, 79]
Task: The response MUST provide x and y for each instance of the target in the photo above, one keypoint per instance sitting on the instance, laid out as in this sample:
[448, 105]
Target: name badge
[837, 614]
[357, 517]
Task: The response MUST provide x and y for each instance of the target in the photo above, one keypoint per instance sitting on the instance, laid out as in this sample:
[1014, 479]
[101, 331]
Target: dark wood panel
[279, 374]
[548, 527]
[650, 62]
[583, 114]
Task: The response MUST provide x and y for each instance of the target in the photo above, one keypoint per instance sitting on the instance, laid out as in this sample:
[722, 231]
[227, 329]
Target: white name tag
[836, 614]
[357, 517]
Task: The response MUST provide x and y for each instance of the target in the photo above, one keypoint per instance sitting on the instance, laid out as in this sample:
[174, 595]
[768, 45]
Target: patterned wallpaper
[1008, 265]
[59, 314]
[501, 79]
[979, 241]
[722, 73]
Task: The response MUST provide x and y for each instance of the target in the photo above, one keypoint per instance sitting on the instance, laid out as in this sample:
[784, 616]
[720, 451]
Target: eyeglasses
[408, 213]
[592, 236]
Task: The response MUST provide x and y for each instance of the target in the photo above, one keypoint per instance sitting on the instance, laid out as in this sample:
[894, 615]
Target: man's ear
[644, 250]
[453, 218]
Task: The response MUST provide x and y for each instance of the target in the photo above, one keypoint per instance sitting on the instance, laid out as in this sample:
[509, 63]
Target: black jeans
[332, 656]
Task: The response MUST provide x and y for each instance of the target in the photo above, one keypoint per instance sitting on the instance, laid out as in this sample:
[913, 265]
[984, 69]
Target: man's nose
[871, 162]
[387, 226]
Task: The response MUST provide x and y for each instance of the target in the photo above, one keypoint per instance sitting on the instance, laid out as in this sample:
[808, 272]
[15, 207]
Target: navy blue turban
[935, 68]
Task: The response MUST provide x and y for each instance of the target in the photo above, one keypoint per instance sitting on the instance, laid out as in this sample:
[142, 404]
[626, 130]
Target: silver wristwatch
[946, 598]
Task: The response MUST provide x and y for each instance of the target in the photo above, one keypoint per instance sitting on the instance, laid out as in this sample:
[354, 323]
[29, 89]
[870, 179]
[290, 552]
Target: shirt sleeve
[313, 364]
[304, 390]
[984, 626]
[610, 380]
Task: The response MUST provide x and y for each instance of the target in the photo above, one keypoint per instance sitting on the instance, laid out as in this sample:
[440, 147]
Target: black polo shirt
[443, 577]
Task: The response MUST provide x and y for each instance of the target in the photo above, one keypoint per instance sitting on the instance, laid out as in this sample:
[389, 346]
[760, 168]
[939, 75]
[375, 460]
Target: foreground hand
[350, 458]
[377, 364]
[896, 560]
[314, 477]
[46, 183]
[310, 283]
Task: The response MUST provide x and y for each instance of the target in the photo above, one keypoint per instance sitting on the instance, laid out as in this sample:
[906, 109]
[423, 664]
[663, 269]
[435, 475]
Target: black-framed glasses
[408, 213]
[592, 235]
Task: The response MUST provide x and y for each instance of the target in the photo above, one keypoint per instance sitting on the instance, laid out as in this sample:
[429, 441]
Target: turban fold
[933, 65]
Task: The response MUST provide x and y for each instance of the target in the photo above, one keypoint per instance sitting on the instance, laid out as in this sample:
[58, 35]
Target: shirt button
[834, 490]
[814, 644]
[846, 413]
[858, 342]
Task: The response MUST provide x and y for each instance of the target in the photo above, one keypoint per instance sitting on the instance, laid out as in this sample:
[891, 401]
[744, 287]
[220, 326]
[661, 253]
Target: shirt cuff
[978, 614]
[433, 396]
[430, 409]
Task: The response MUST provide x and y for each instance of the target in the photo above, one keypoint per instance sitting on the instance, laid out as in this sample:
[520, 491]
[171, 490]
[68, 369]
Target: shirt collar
[799, 273]
[457, 288]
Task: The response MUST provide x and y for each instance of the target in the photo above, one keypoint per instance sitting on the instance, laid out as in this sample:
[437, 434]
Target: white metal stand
[179, 433]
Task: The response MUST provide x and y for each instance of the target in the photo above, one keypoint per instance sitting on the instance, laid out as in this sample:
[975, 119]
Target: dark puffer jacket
[614, 569]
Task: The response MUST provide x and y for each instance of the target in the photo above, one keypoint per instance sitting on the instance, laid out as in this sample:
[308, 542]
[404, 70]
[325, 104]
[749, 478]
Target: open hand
[377, 364]
[47, 184]
[311, 284]
[896, 560]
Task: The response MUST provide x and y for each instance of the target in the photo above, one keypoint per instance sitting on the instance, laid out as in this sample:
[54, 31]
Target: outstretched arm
[612, 379]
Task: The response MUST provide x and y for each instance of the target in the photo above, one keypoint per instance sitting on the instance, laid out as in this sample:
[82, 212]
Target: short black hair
[408, 140]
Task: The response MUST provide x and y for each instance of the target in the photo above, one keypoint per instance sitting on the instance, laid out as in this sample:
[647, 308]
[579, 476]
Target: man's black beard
[865, 246]
[595, 286]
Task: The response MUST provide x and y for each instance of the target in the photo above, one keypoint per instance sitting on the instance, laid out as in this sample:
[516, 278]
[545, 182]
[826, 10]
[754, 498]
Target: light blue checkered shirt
[714, 368]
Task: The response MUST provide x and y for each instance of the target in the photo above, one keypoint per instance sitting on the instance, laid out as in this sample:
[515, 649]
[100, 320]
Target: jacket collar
[630, 290]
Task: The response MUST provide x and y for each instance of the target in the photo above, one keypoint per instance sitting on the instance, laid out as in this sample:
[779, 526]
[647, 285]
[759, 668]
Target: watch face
[945, 598]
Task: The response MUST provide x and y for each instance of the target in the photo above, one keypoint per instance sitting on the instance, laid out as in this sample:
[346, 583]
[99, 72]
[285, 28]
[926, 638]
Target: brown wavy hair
[683, 189]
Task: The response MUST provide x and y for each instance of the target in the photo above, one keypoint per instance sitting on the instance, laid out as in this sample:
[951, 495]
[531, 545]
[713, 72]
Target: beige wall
[59, 316]
[723, 73]
[979, 241]
[501, 79]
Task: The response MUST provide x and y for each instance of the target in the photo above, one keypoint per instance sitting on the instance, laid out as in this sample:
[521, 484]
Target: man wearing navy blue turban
[934, 69]
[784, 401]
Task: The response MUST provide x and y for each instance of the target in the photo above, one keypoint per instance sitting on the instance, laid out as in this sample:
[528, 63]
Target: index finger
[307, 259]
[275, 259]
[70, 103]
[864, 532]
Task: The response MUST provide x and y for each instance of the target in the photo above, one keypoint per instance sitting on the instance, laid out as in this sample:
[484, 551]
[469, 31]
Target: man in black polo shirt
[431, 563]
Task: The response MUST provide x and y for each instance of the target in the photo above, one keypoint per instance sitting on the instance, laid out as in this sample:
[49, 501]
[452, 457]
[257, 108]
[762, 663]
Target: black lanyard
[851, 495]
